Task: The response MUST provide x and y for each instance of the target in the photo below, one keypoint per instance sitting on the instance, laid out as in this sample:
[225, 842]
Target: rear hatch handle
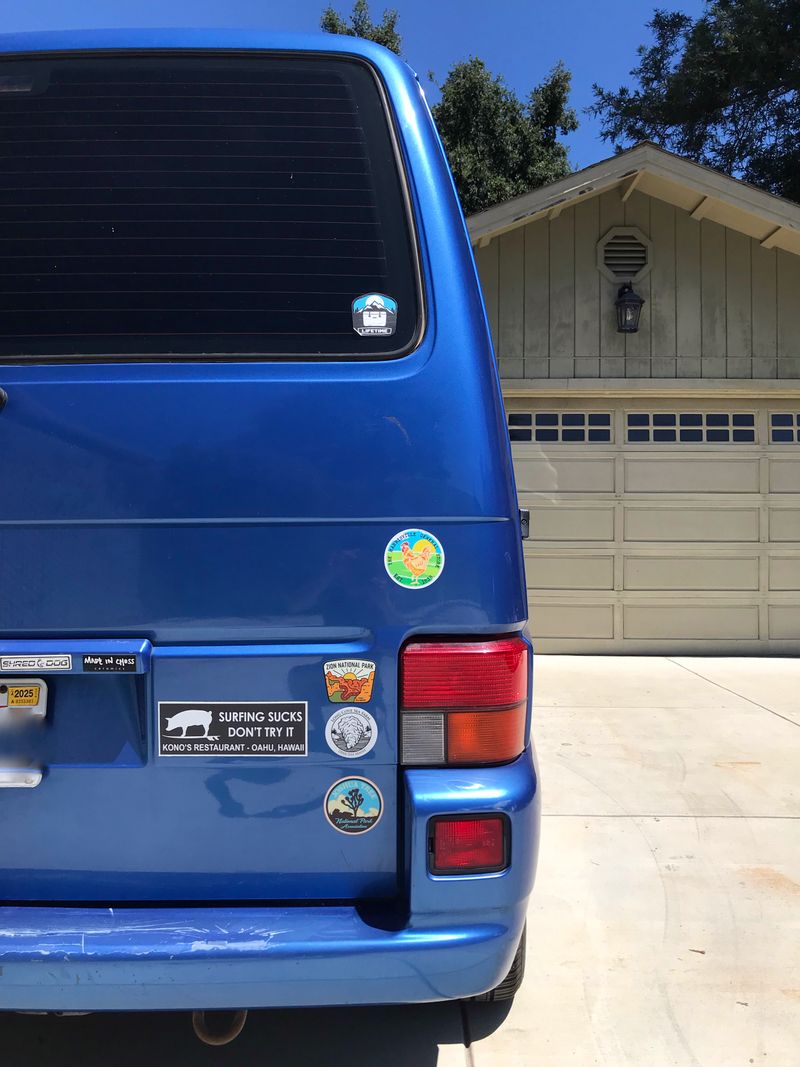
[20, 777]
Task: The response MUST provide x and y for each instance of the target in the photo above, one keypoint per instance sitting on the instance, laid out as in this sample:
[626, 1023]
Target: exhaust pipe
[218, 1027]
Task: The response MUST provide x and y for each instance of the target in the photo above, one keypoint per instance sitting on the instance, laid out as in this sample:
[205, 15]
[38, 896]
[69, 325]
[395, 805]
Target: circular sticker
[351, 732]
[353, 805]
[414, 558]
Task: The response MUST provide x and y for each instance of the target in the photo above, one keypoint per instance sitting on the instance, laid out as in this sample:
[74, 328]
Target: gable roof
[703, 192]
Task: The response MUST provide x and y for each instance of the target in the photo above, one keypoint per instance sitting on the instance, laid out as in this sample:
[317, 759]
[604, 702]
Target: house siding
[718, 304]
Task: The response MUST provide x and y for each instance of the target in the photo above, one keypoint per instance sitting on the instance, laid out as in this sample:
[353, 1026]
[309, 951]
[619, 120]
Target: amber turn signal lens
[485, 736]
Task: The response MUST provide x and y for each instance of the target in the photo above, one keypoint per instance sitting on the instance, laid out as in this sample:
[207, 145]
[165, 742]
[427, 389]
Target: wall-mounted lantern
[629, 309]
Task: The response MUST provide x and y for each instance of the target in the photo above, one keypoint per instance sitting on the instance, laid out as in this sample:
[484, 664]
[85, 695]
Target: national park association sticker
[414, 558]
[353, 805]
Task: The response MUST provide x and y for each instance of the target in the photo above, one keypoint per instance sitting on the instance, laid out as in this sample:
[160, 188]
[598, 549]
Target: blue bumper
[457, 936]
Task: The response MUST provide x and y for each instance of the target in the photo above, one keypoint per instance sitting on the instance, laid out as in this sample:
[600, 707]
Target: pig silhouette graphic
[184, 720]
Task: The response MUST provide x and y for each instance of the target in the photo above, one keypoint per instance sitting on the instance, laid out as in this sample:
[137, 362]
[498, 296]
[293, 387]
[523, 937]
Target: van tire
[509, 987]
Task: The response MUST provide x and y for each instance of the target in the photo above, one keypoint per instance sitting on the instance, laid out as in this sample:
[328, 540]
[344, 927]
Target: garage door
[661, 526]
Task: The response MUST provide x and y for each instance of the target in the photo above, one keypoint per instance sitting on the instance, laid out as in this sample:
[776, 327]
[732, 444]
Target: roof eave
[608, 173]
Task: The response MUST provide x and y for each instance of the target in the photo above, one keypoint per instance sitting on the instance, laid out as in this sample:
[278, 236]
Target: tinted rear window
[185, 205]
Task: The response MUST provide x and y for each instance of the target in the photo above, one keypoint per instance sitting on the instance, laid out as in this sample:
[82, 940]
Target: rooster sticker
[414, 559]
[349, 681]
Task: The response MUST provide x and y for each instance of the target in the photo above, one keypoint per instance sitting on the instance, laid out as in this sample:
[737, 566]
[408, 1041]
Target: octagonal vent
[624, 254]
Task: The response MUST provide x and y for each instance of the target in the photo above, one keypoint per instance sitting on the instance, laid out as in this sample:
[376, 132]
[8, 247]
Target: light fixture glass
[629, 309]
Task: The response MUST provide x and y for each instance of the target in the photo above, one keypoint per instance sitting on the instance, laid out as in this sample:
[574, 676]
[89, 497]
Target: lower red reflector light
[462, 845]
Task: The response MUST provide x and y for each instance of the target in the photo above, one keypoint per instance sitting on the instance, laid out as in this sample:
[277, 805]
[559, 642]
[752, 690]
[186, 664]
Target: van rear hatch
[209, 274]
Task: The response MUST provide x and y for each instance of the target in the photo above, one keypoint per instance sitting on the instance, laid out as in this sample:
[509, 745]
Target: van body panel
[230, 517]
[446, 946]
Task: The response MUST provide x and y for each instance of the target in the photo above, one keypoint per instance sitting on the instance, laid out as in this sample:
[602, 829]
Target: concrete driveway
[665, 926]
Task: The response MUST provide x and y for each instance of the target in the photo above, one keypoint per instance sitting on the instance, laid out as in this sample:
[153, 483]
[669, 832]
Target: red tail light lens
[464, 702]
[479, 674]
[469, 845]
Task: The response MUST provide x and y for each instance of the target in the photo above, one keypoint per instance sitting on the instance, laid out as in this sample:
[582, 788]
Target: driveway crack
[732, 692]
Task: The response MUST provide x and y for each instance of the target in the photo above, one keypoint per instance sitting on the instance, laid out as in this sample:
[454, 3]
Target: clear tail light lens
[463, 702]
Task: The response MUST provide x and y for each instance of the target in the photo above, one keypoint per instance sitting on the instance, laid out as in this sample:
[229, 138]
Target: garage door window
[561, 427]
[691, 427]
[784, 427]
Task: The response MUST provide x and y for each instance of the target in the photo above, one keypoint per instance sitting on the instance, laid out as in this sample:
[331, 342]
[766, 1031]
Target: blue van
[265, 683]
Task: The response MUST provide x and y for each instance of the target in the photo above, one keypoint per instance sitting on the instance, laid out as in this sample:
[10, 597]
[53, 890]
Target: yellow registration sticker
[23, 696]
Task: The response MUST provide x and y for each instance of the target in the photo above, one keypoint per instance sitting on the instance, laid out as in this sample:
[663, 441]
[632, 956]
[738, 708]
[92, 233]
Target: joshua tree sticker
[353, 800]
[353, 805]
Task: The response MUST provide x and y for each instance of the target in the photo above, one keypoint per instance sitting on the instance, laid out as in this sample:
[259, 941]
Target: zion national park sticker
[349, 681]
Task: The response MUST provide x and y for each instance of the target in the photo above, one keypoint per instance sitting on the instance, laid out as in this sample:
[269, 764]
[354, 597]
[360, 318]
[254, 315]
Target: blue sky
[520, 39]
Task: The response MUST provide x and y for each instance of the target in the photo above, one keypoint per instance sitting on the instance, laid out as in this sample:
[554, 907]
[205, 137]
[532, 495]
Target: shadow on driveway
[299, 1037]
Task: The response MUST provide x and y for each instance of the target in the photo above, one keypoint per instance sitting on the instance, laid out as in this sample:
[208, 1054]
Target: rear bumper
[265, 957]
[457, 938]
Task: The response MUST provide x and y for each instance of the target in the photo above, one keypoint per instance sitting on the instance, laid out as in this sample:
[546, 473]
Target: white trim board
[744, 388]
[771, 219]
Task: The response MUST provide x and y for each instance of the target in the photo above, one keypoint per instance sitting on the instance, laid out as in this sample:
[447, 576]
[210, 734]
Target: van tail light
[468, 844]
[463, 702]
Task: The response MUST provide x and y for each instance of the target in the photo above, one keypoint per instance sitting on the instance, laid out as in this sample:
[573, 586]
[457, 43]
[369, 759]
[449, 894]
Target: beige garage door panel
[784, 476]
[569, 572]
[691, 524]
[691, 573]
[652, 546]
[560, 474]
[784, 622]
[586, 621]
[691, 474]
[692, 621]
[784, 573]
[784, 524]
[556, 523]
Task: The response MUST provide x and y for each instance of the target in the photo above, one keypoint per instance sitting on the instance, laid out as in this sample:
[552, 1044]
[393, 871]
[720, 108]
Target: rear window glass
[190, 205]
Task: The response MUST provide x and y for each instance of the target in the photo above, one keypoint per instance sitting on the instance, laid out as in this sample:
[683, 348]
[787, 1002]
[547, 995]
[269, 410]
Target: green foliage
[498, 145]
[361, 25]
[723, 89]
